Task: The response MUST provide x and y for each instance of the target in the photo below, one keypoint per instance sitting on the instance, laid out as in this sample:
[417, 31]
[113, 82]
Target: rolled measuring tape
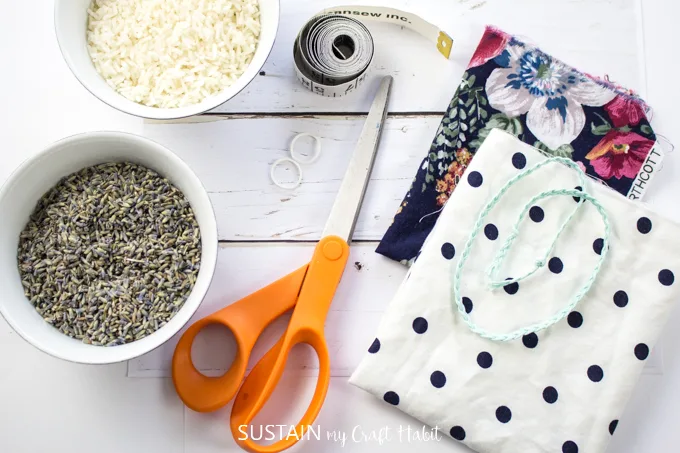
[334, 50]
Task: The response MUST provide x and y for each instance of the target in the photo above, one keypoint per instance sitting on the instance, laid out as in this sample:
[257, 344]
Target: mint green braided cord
[505, 248]
[500, 256]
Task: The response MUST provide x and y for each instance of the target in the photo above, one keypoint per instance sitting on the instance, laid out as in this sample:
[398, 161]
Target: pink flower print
[619, 154]
[625, 111]
[490, 46]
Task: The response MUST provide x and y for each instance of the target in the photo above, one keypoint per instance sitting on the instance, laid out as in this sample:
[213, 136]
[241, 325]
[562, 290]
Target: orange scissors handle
[246, 318]
[306, 326]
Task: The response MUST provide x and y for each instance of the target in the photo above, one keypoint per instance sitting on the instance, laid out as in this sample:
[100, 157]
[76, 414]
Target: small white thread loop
[431, 213]
[299, 158]
[280, 184]
[296, 159]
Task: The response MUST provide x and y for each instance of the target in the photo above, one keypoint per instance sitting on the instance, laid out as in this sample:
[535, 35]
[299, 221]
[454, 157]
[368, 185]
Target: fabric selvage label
[649, 168]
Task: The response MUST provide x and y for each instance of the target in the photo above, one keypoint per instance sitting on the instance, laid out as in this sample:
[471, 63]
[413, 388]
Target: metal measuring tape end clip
[334, 50]
[296, 159]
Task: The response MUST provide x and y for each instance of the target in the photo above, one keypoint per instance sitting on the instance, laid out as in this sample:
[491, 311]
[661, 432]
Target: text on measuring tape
[334, 49]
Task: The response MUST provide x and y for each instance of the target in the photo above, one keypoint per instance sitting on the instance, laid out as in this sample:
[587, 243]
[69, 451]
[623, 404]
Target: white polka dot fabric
[563, 389]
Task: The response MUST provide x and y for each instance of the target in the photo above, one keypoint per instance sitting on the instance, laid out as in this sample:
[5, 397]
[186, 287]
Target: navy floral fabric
[516, 87]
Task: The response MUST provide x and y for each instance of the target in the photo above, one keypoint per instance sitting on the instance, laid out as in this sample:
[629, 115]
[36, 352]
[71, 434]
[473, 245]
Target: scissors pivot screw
[332, 250]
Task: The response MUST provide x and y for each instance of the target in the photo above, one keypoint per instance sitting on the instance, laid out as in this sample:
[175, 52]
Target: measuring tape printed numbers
[332, 54]
[334, 50]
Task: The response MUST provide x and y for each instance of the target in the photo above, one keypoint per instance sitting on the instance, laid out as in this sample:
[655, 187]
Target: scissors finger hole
[289, 401]
[214, 350]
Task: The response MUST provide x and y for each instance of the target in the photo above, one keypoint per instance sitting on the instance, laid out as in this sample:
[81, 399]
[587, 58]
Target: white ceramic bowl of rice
[165, 59]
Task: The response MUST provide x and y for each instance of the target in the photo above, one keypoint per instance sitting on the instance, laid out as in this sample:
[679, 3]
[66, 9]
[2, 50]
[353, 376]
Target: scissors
[308, 290]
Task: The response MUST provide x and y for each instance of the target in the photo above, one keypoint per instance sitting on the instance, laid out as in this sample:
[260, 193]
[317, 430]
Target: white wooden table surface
[50, 405]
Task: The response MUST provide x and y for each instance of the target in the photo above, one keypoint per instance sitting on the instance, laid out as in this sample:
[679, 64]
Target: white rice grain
[172, 53]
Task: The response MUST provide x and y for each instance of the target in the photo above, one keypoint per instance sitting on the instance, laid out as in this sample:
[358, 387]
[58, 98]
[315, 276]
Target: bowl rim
[209, 263]
[165, 113]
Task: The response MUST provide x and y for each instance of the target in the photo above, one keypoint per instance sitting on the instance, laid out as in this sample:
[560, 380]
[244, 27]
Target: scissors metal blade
[347, 204]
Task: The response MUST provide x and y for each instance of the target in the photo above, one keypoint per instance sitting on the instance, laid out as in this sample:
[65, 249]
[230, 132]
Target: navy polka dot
[457, 432]
[577, 199]
[519, 161]
[392, 398]
[555, 265]
[448, 250]
[420, 325]
[438, 379]
[612, 426]
[375, 347]
[641, 351]
[467, 303]
[575, 319]
[595, 373]
[666, 277]
[536, 214]
[491, 232]
[512, 288]
[644, 225]
[484, 360]
[503, 414]
[550, 395]
[620, 298]
[475, 179]
[569, 447]
[597, 245]
[530, 340]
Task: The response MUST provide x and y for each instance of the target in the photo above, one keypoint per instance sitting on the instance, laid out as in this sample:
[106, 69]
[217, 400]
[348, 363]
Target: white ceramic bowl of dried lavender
[108, 244]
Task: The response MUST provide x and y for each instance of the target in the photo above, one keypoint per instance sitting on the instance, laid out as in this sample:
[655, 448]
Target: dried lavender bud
[110, 254]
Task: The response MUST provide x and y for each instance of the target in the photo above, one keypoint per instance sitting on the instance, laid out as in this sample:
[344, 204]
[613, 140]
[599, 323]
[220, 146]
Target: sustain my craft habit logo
[356, 435]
